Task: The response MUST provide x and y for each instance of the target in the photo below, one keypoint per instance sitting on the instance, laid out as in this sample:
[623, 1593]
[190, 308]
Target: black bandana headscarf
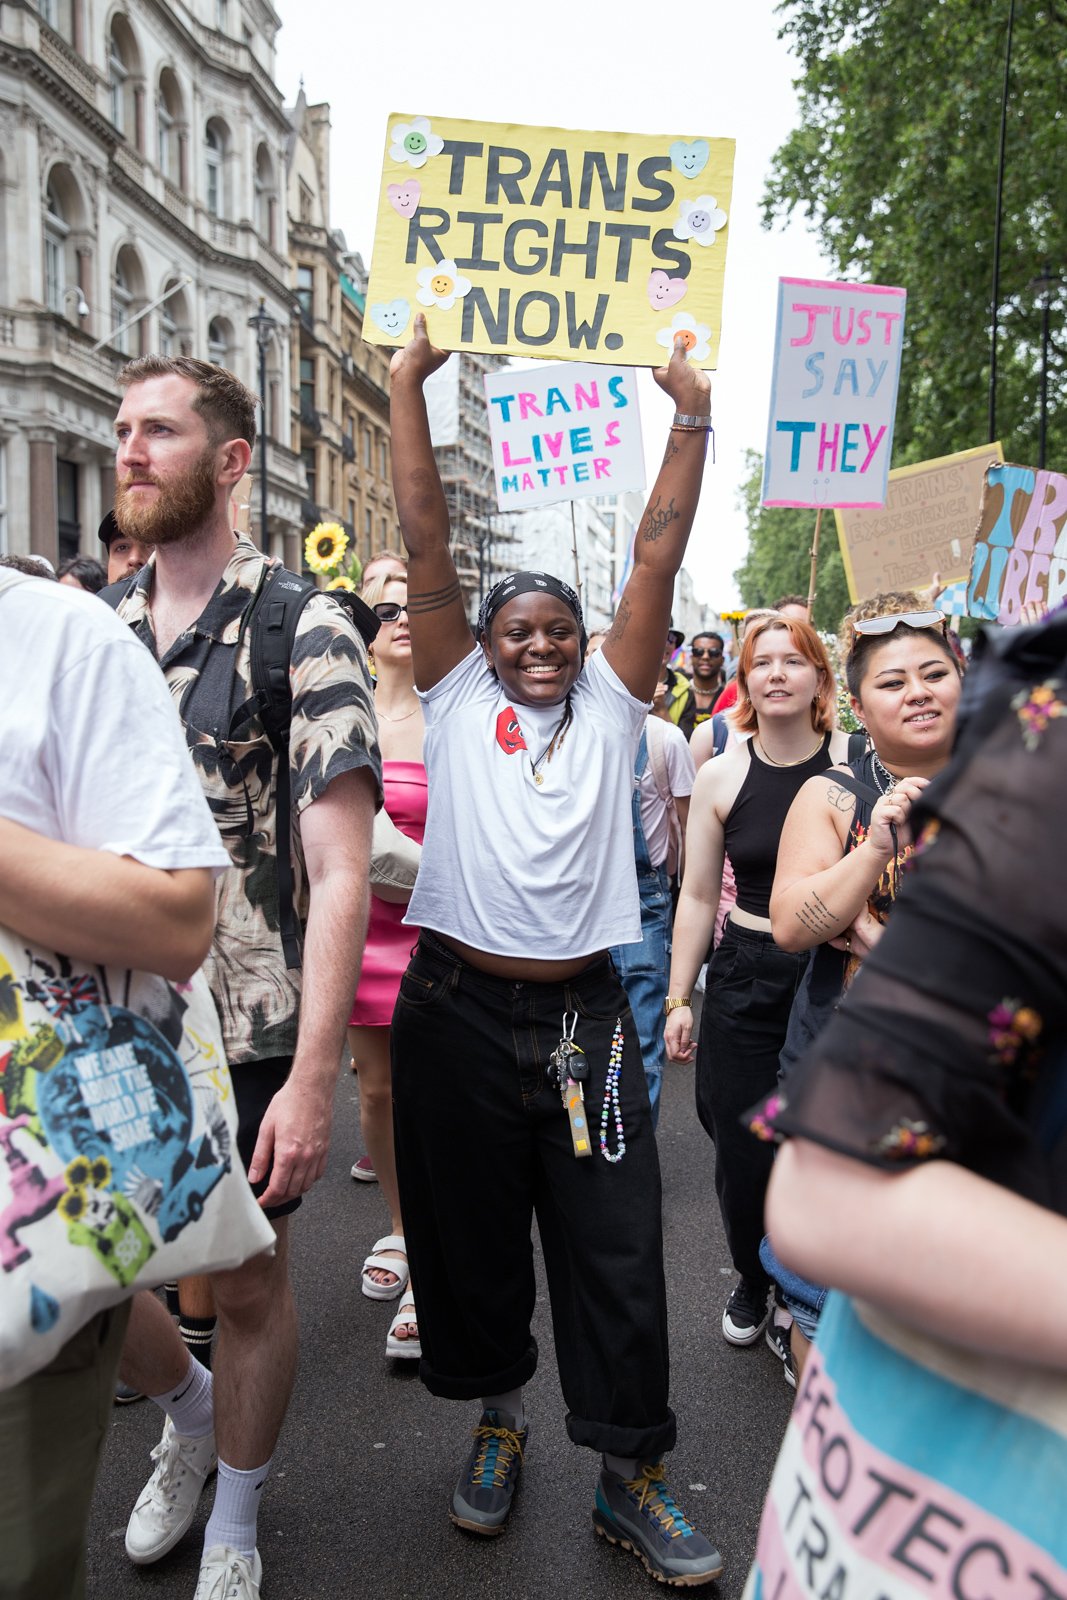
[517, 583]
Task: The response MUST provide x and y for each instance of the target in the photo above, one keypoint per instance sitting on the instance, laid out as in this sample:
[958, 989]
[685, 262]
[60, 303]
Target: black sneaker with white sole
[777, 1337]
[746, 1313]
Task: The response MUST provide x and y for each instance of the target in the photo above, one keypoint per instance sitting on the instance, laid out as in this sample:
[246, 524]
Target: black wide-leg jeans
[748, 995]
[483, 1144]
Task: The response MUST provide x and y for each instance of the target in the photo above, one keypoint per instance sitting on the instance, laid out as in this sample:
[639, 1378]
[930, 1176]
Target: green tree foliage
[778, 560]
[895, 165]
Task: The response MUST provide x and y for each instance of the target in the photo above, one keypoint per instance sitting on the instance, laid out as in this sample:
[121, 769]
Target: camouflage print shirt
[333, 731]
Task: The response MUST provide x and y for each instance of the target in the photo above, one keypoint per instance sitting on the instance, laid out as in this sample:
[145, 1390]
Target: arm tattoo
[622, 618]
[817, 918]
[433, 599]
[840, 798]
[658, 519]
[670, 452]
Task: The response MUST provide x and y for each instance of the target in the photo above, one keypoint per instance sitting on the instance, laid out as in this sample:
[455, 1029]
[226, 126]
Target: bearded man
[185, 432]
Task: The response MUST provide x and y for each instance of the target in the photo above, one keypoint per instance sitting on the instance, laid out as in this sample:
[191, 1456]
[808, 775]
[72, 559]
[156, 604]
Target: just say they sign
[834, 393]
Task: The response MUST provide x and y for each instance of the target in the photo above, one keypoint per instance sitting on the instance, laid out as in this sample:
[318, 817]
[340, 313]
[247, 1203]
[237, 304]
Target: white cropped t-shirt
[516, 868]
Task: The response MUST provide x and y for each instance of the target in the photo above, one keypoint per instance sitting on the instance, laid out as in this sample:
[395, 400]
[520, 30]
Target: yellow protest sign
[551, 243]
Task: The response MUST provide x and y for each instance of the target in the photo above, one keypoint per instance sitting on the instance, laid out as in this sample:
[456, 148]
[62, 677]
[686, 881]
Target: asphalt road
[357, 1503]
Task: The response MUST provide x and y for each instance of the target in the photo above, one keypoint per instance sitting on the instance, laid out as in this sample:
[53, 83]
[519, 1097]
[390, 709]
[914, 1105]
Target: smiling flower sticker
[695, 334]
[699, 219]
[414, 142]
[442, 286]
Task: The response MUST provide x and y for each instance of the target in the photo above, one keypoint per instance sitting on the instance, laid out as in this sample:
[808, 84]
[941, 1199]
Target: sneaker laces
[167, 1456]
[652, 1497]
[228, 1583]
[497, 1450]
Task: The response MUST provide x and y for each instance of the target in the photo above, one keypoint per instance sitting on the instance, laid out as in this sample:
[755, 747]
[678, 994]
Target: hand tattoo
[658, 519]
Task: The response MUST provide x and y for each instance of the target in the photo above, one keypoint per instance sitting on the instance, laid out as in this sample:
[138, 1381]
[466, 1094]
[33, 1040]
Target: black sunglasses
[388, 611]
[698, 652]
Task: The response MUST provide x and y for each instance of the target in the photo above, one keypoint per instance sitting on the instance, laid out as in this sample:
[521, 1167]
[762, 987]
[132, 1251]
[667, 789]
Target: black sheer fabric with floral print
[952, 1042]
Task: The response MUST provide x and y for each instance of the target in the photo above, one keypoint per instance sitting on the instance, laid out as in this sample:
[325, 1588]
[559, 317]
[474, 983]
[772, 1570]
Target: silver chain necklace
[882, 776]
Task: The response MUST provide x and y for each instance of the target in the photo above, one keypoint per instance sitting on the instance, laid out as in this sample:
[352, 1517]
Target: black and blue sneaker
[640, 1515]
[482, 1499]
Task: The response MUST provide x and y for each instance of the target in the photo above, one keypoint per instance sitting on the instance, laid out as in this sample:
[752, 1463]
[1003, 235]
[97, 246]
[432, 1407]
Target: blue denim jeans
[644, 970]
[803, 1299]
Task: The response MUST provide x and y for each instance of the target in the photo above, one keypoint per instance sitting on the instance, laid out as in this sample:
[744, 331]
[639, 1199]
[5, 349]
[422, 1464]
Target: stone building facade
[142, 208]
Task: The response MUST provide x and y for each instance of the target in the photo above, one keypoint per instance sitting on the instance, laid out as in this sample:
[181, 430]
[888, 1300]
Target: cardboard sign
[927, 525]
[543, 242]
[834, 393]
[563, 432]
[1020, 550]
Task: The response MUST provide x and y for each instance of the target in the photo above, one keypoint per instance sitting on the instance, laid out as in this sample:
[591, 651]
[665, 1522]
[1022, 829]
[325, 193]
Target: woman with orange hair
[739, 806]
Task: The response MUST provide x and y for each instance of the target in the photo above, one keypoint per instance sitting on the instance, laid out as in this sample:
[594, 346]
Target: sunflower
[101, 1172]
[342, 583]
[325, 546]
[72, 1205]
[78, 1172]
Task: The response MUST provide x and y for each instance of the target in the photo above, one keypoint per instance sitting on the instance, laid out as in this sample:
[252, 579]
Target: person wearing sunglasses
[847, 833]
[706, 654]
[385, 1274]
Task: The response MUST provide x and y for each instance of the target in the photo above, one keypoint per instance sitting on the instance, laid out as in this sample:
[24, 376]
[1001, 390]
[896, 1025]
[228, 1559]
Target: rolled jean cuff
[464, 1387]
[644, 1444]
[796, 1289]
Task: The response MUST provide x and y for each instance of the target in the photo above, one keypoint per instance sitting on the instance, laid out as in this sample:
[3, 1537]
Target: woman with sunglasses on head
[847, 833]
[738, 807]
[388, 949]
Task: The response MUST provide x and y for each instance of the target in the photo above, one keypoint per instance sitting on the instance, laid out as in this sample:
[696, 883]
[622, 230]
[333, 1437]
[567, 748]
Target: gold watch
[673, 1001]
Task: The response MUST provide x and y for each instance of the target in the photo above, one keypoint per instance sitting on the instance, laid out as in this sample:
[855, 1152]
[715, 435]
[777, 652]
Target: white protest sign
[568, 431]
[834, 393]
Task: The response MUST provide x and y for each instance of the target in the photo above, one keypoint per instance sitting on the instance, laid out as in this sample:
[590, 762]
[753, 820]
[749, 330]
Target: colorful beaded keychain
[611, 1099]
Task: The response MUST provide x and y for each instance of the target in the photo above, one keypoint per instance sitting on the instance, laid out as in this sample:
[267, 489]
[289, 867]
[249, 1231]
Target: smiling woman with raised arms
[511, 1012]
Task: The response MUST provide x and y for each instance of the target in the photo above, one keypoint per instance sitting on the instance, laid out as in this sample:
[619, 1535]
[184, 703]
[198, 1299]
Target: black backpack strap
[271, 622]
[854, 785]
[857, 746]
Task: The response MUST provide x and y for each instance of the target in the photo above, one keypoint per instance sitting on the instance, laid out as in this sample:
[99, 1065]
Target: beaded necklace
[611, 1099]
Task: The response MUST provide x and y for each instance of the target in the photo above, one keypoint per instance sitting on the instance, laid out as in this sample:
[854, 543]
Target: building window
[265, 197]
[305, 203]
[385, 530]
[215, 143]
[121, 302]
[383, 460]
[67, 505]
[368, 449]
[168, 332]
[305, 291]
[3, 498]
[368, 527]
[218, 342]
[307, 383]
[56, 230]
[117, 74]
[352, 515]
[308, 458]
[222, 15]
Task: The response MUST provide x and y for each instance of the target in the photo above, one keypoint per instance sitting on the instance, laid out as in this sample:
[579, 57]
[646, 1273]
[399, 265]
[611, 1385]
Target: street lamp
[266, 326]
[1045, 285]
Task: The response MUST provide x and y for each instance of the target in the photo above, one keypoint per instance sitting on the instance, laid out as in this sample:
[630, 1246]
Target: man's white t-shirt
[681, 775]
[520, 868]
[94, 753]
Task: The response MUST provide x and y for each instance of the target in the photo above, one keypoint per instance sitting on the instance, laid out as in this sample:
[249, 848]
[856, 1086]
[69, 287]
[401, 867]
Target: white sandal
[403, 1349]
[384, 1263]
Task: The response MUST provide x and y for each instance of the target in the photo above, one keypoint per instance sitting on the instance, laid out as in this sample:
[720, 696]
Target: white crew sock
[508, 1407]
[233, 1518]
[189, 1405]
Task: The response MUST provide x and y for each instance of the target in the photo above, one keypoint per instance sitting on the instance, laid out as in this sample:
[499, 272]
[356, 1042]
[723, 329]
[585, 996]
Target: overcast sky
[718, 70]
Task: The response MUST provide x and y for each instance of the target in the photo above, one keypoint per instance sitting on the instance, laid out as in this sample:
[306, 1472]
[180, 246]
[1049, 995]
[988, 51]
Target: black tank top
[756, 820]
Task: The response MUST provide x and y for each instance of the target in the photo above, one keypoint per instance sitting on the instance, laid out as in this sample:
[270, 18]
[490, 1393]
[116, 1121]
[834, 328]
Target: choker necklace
[554, 744]
[882, 776]
[404, 718]
[799, 762]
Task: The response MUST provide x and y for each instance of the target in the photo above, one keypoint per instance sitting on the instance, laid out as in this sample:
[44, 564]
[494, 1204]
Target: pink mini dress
[389, 942]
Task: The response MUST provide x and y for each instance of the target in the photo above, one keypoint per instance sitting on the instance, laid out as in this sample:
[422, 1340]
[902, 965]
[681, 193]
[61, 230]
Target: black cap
[109, 530]
[675, 636]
